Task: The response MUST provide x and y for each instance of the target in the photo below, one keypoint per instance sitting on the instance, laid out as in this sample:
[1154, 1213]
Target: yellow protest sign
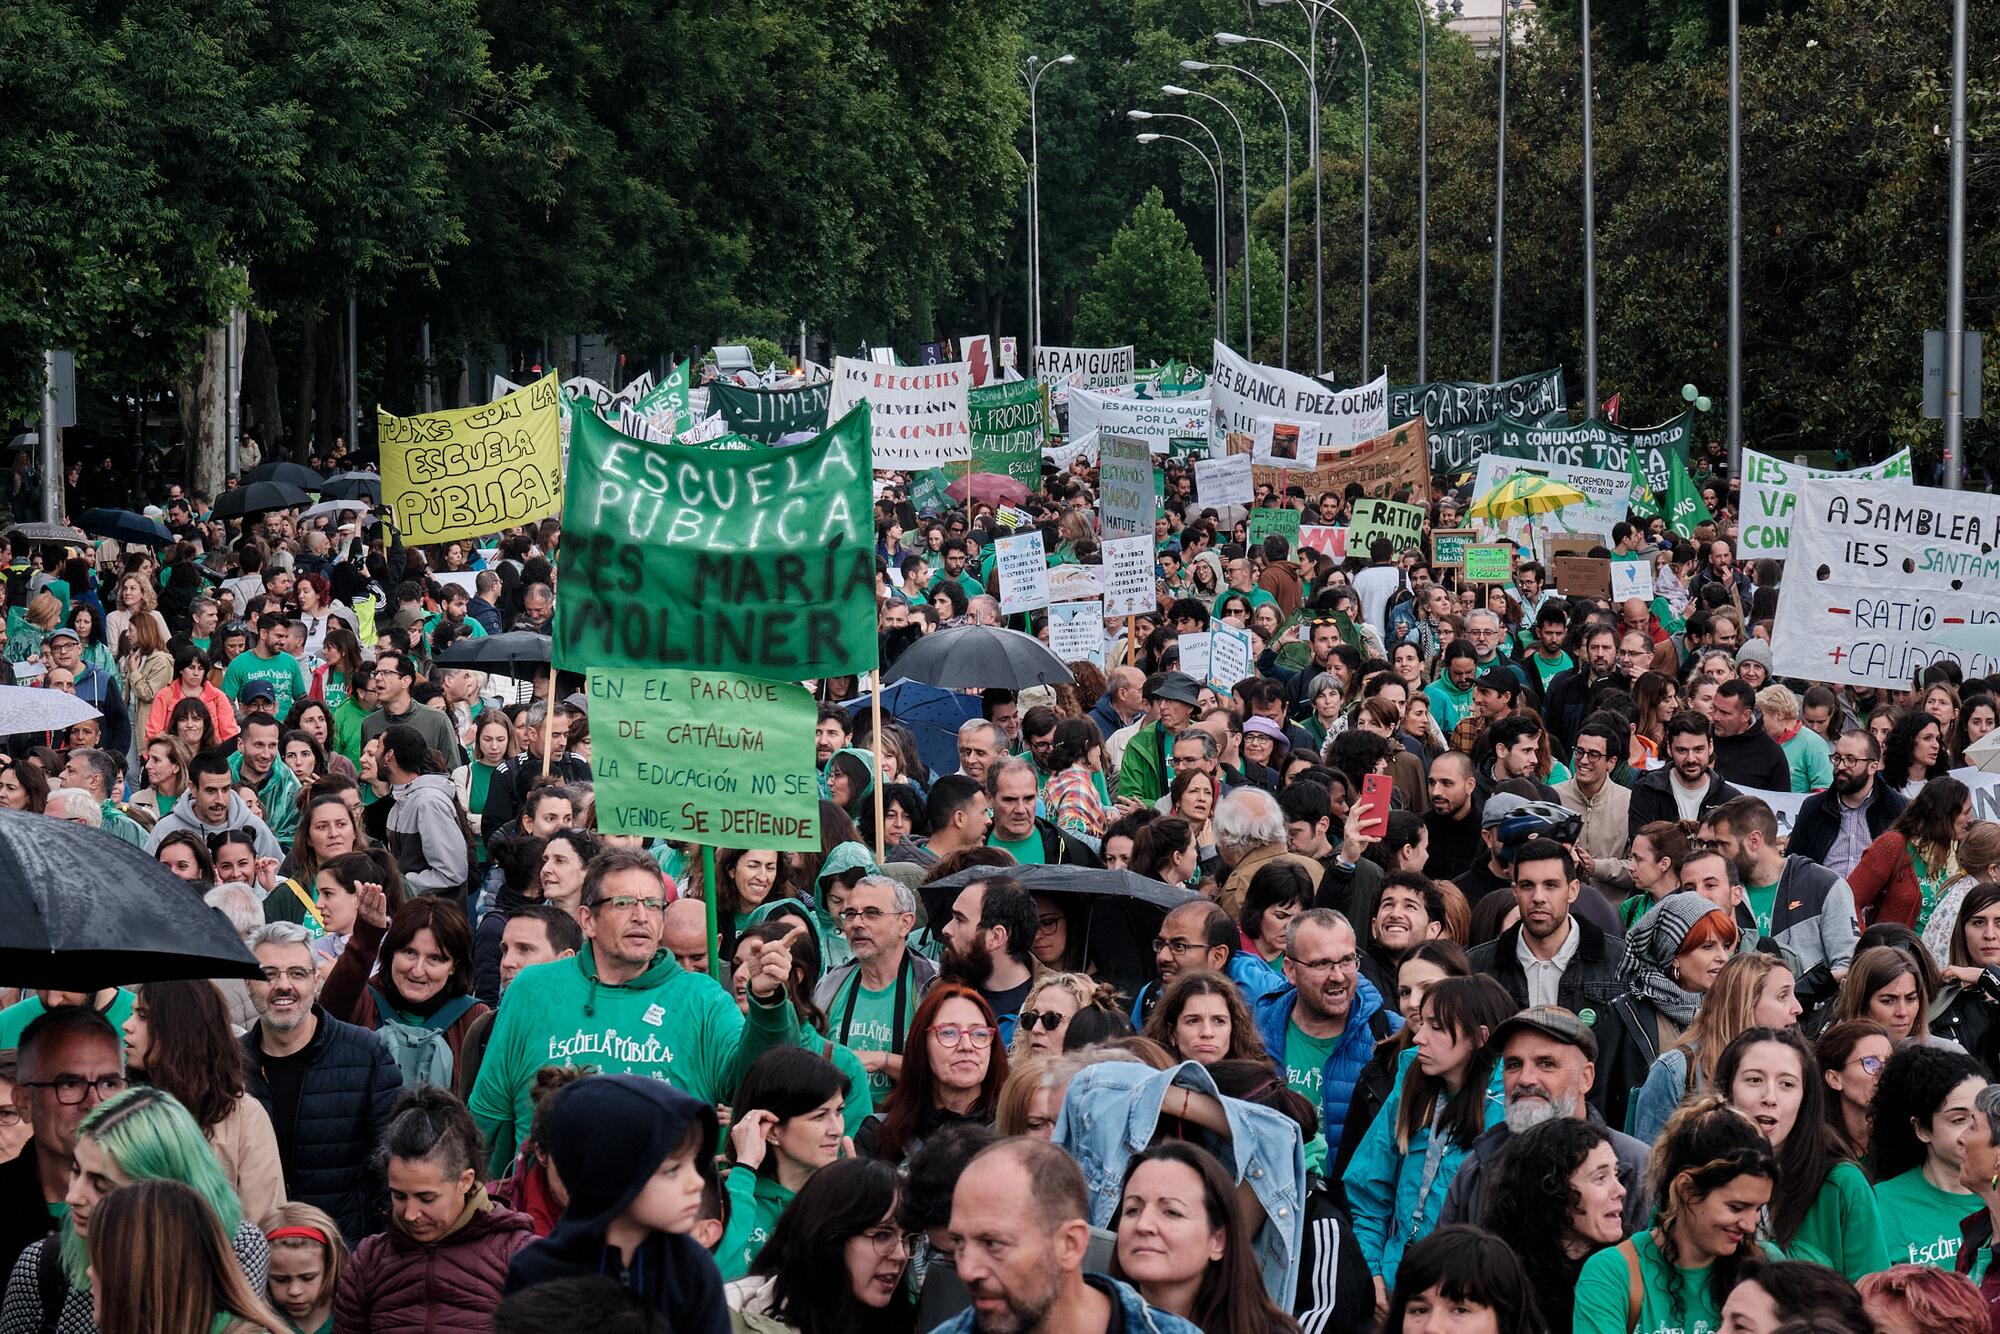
[467, 472]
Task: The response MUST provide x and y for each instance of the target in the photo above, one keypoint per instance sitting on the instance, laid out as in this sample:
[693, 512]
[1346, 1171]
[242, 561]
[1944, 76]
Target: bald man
[686, 934]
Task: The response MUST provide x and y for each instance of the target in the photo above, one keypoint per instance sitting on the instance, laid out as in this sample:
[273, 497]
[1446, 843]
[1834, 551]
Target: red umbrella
[989, 488]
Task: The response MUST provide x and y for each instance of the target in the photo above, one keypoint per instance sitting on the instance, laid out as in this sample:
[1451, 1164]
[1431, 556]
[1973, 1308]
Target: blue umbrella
[126, 526]
[931, 714]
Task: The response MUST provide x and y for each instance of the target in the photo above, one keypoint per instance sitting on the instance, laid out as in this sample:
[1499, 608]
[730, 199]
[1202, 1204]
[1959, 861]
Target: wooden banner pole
[875, 740]
[549, 725]
[708, 893]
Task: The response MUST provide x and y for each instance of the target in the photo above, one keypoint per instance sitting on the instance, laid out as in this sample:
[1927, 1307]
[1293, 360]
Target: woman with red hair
[1920, 1299]
[958, 1079]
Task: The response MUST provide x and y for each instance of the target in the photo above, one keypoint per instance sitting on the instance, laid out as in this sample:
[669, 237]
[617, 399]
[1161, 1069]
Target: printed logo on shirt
[654, 1014]
[612, 1046]
[1941, 1253]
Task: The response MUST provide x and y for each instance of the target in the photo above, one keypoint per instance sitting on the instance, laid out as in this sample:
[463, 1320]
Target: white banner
[1243, 391]
[1884, 581]
[1024, 572]
[1771, 488]
[1153, 420]
[1125, 501]
[1060, 368]
[1224, 481]
[1129, 588]
[1607, 495]
[1784, 805]
[920, 417]
[1076, 632]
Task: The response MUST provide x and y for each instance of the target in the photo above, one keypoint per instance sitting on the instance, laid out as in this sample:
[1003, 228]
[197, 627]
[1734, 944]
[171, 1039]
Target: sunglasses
[1046, 1020]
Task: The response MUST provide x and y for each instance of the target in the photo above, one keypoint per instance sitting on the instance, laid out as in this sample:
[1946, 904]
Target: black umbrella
[353, 486]
[284, 470]
[46, 532]
[259, 498]
[1113, 916]
[126, 527]
[980, 656]
[85, 910]
[516, 648]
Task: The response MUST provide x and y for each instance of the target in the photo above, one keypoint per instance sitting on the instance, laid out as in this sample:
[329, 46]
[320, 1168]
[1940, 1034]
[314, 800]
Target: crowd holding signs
[920, 819]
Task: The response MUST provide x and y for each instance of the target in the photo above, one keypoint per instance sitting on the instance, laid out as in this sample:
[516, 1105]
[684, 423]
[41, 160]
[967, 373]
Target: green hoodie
[755, 1201]
[668, 1024]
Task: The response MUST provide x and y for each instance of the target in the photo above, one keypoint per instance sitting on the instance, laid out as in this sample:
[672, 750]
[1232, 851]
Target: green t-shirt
[1305, 1064]
[334, 688]
[870, 1024]
[1919, 1221]
[1547, 669]
[280, 671]
[1843, 1229]
[1763, 900]
[1448, 704]
[1604, 1295]
[1028, 852]
[22, 1013]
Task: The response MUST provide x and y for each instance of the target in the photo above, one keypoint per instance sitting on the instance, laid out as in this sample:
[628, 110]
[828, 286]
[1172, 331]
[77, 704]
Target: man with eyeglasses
[625, 1006]
[327, 1084]
[395, 674]
[1605, 806]
[70, 1060]
[1200, 937]
[1323, 1025]
[870, 1002]
[1836, 825]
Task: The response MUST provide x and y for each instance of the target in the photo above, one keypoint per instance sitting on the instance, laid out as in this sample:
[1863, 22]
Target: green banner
[1648, 453]
[1487, 563]
[1008, 425]
[705, 757]
[1264, 522]
[1461, 414]
[683, 556]
[670, 393]
[767, 414]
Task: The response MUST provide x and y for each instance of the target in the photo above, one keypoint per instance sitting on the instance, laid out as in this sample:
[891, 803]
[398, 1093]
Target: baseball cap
[62, 632]
[1551, 1021]
[254, 689]
[1176, 686]
[1501, 678]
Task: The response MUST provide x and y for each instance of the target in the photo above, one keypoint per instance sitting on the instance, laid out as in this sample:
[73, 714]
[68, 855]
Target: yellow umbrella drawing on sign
[1525, 494]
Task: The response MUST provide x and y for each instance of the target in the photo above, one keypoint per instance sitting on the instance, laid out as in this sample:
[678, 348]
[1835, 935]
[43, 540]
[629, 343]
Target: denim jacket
[1139, 1318]
[1110, 1114]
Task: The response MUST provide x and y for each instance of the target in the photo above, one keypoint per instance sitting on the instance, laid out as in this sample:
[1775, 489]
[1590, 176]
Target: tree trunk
[205, 412]
[330, 405]
[302, 421]
[260, 385]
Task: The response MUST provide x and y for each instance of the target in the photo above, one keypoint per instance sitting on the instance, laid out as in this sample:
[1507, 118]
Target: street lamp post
[1312, 148]
[1500, 185]
[1285, 298]
[1242, 195]
[1424, 181]
[1031, 74]
[1954, 291]
[1735, 245]
[1367, 135]
[1221, 204]
[1215, 179]
[1589, 231]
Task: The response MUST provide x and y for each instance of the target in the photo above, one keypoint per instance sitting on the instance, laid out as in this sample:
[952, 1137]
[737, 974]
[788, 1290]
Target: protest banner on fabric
[698, 558]
[705, 757]
[1265, 521]
[1606, 494]
[1228, 656]
[1129, 586]
[1604, 446]
[1182, 448]
[1784, 805]
[1322, 538]
[1461, 414]
[1153, 420]
[1125, 500]
[1448, 547]
[1885, 581]
[1402, 524]
[1008, 423]
[1286, 446]
[674, 394]
[767, 414]
[1379, 465]
[1076, 632]
[1770, 490]
[1243, 391]
[1487, 563]
[1061, 368]
[467, 472]
[1024, 572]
[1985, 792]
[1681, 504]
[921, 414]
[1224, 481]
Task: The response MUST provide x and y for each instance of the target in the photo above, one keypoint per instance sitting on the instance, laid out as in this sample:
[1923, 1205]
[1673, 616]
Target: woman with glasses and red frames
[955, 1078]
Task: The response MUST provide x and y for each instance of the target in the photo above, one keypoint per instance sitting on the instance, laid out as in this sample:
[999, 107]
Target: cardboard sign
[1448, 547]
[1075, 583]
[1581, 576]
[1195, 653]
[1402, 524]
[1325, 539]
[1488, 562]
[1380, 464]
[1566, 544]
[1024, 572]
[1266, 522]
[1228, 656]
[1125, 502]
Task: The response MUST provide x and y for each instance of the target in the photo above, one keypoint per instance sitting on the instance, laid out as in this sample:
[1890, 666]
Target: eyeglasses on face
[1345, 964]
[71, 1090]
[888, 1241]
[955, 1035]
[849, 916]
[627, 902]
[1871, 1065]
[1046, 1020]
[1176, 947]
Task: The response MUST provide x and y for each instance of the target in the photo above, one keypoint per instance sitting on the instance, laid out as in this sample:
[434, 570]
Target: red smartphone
[1375, 790]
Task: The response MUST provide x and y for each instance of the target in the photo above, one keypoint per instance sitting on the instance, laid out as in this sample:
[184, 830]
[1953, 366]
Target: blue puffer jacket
[350, 1085]
[1396, 1196]
[1368, 1022]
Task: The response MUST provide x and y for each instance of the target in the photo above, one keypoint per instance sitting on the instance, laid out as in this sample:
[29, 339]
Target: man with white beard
[1547, 1064]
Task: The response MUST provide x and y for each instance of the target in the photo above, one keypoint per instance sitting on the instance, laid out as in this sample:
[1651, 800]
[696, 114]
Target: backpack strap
[312, 909]
[51, 1283]
[1635, 1293]
[446, 1015]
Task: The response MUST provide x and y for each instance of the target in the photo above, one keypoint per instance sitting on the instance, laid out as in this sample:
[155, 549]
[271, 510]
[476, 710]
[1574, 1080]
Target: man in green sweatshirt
[623, 1006]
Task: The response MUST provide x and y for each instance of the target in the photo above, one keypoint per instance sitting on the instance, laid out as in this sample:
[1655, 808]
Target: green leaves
[1149, 290]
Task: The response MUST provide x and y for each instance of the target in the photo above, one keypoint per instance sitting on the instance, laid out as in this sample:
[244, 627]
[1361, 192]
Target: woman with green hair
[141, 1134]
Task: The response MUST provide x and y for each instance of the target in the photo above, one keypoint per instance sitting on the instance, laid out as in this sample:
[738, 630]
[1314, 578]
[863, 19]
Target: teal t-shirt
[22, 1013]
[1763, 900]
[1919, 1221]
[280, 671]
[869, 1025]
[1604, 1295]
[1305, 1065]
[1547, 670]
[1843, 1229]
[1028, 852]
[1448, 704]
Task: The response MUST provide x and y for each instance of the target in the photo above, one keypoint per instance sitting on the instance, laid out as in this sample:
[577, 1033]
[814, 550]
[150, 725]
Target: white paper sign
[1224, 481]
[1285, 444]
[919, 414]
[977, 350]
[1631, 579]
[1229, 656]
[1024, 572]
[1243, 391]
[1153, 420]
[1129, 588]
[1771, 488]
[1125, 500]
[1607, 495]
[1195, 654]
[1075, 583]
[1091, 367]
[1884, 581]
[1076, 631]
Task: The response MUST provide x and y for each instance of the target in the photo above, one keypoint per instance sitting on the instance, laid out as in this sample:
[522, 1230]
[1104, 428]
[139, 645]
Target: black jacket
[343, 1108]
[1653, 797]
[1753, 759]
[1565, 706]
[1592, 981]
[24, 1214]
[1627, 1045]
[1818, 824]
